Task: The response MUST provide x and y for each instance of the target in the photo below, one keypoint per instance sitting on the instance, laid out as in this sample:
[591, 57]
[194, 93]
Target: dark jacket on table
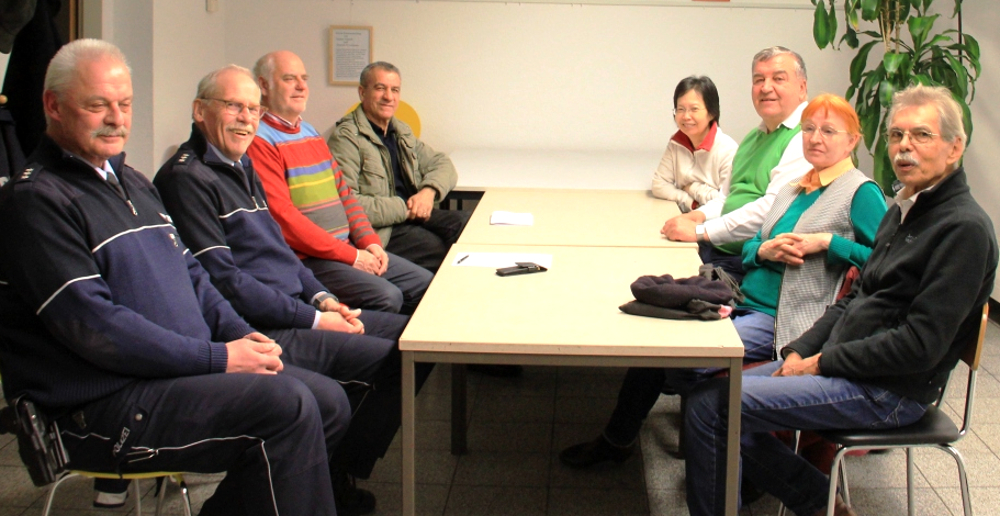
[221, 212]
[96, 290]
[919, 300]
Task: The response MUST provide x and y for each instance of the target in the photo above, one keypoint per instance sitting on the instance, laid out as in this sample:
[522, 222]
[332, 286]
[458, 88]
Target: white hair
[208, 85]
[949, 112]
[66, 61]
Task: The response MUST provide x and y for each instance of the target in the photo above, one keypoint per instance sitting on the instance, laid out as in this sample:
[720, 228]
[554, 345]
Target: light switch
[211, 5]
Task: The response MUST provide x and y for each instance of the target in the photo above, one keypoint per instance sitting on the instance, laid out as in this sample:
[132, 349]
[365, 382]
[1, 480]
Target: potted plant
[912, 52]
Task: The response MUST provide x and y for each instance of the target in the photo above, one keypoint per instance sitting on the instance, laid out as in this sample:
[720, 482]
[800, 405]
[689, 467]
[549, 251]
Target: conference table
[566, 316]
[600, 218]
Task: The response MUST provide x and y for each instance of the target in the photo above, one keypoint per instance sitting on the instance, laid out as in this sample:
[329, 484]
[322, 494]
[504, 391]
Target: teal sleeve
[750, 248]
[867, 210]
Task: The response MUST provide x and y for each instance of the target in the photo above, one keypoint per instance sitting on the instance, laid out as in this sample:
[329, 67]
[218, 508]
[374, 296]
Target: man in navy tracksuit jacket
[114, 329]
[219, 206]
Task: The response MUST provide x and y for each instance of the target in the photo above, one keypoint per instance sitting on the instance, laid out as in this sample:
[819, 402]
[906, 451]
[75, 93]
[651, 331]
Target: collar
[816, 179]
[105, 169]
[791, 122]
[389, 128]
[48, 152]
[706, 144]
[217, 155]
[294, 126]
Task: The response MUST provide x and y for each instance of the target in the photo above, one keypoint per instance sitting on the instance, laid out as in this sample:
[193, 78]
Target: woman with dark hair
[699, 156]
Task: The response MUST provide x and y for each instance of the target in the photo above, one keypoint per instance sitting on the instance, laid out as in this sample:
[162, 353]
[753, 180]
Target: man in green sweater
[769, 157]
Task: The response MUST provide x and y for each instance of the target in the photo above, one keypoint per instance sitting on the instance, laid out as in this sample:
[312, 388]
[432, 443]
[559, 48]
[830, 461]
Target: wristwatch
[699, 233]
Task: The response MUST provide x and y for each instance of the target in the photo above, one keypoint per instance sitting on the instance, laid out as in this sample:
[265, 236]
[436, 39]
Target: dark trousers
[426, 243]
[270, 433]
[398, 290]
[369, 369]
[731, 263]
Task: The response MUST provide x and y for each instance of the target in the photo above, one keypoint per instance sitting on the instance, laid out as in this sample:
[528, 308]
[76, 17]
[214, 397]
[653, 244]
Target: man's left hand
[794, 365]
[419, 206]
[330, 305]
[680, 229]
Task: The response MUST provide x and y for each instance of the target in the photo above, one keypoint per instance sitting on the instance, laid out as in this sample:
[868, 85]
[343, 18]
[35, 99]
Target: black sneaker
[591, 453]
[351, 500]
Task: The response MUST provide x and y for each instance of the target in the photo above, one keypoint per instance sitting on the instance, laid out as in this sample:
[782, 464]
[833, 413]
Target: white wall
[535, 75]
[981, 19]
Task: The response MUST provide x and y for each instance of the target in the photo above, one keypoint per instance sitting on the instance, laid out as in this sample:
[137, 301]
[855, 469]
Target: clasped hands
[791, 248]
[336, 316]
[373, 260]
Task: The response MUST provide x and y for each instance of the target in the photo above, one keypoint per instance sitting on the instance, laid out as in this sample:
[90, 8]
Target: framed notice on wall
[350, 52]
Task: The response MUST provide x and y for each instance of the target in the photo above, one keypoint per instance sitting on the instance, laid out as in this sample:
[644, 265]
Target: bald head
[283, 83]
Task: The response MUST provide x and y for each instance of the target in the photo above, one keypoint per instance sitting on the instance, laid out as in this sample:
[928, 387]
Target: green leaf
[919, 27]
[831, 23]
[961, 75]
[850, 9]
[860, 62]
[851, 38]
[869, 9]
[884, 175]
[821, 25]
[972, 46]
[967, 120]
[885, 91]
[892, 62]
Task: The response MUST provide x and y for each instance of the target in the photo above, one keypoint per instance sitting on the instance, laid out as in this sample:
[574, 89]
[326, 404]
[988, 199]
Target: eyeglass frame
[229, 105]
[822, 131]
[913, 137]
[692, 111]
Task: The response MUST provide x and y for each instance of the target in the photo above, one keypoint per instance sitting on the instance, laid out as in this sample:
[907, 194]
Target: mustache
[904, 157]
[236, 126]
[109, 130]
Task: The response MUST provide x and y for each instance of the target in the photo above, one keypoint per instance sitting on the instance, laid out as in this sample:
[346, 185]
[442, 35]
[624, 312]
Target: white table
[606, 218]
[567, 316]
[482, 169]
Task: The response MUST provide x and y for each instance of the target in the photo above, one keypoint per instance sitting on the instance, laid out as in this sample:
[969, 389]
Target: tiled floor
[518, 426]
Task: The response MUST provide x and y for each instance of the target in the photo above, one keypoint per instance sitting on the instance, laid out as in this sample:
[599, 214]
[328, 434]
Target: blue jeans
[642, 386]
[782, 403]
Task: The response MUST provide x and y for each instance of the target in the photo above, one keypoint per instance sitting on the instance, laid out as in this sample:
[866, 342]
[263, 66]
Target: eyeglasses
[692, 111]
[921, 136]
[826, 132]
[235, 108]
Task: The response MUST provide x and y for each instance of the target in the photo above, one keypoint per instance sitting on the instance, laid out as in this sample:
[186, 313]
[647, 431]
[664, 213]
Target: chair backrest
[404, 112]
[974, 352]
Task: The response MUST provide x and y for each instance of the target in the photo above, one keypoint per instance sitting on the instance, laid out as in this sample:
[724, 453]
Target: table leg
[733, 438]
[459, 410]
[409, 422]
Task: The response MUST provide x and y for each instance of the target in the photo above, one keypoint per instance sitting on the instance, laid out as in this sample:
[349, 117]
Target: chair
[161, 487]
[934, 430]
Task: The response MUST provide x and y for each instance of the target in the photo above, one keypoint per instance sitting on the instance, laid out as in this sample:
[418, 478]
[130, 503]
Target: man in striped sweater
[317, 211]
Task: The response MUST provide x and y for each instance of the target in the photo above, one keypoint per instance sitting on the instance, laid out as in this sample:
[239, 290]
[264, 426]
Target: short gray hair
[64, 64]
[366, 74]
[771, 52]
[264, 68]
[949, 112]
[208, 85]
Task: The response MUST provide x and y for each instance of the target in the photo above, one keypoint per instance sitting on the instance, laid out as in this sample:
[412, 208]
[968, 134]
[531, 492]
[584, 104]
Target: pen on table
[462, 259]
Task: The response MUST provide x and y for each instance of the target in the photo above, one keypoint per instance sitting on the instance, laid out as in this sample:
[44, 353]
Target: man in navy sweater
[112, 327]
[220, 209]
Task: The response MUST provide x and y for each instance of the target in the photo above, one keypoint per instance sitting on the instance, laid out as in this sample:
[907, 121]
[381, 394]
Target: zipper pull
[130, 205]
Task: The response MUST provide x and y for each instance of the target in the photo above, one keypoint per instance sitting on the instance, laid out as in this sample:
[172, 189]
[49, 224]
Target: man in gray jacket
[397, 178]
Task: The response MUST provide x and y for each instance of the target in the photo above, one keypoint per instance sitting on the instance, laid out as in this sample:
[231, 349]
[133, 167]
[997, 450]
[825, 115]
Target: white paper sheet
[509, 218]
[497, 260]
